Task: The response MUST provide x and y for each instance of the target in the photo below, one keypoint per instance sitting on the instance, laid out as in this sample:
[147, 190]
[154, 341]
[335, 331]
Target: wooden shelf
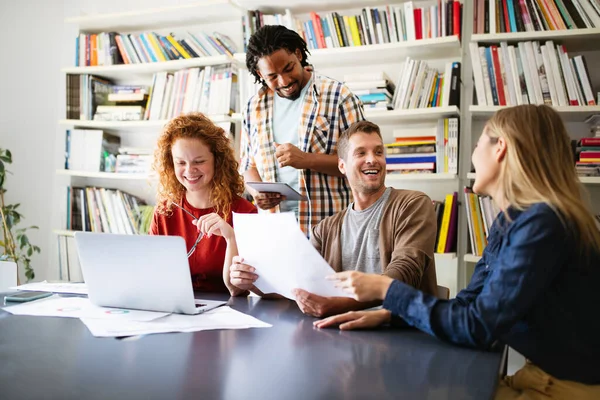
[416, 114]
[196, 13]
[130, 125]
[390, 179]
[381, 53]
[470, 258]
[568, 113]
[104, 175]
[574, 39]
[126, 71]
[588, 180]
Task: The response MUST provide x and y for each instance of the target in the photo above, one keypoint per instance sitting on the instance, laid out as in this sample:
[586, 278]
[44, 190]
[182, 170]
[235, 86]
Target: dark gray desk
[57, 358]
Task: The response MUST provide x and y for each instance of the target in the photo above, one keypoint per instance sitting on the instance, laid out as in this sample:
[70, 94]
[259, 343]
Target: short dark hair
[360, 126]
[268, 40]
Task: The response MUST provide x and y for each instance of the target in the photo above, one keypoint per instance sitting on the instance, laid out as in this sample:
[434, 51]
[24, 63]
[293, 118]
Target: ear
[298, 54]
[342, 165]
[500, 149]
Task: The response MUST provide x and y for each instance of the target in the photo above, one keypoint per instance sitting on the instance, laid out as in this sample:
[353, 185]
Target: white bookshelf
[471, 258]
[129, 125]
[568, 113]
[444, 256]
[574, 39]
[195, 13]
[588, 180]
[126, 70]
[104, 175]
[392, 179]
[380, 53]
[415, 114]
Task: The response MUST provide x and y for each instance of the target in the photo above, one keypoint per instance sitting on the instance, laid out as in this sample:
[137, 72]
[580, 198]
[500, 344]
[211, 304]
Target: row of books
[413, 152]
[385, 24]
[530, 73]
[447, 222]
[112, 48]
[492, 16]
[94, 209]
[210, 90]
[481, 213]
[421, 86]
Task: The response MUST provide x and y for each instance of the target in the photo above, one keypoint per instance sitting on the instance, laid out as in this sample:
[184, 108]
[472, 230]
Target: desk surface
[58, 358]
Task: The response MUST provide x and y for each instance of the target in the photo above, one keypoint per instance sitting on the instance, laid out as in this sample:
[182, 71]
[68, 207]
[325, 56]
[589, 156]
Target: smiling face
[283, 73]
[194, 164]
[364, 163]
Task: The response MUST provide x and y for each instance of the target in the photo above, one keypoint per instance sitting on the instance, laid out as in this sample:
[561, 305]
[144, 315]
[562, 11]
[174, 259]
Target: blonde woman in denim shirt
[535, 288]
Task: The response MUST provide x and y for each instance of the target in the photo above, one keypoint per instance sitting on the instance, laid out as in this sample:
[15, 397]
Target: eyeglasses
[200, 234]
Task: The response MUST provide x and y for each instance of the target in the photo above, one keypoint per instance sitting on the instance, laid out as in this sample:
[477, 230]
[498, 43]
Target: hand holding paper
[283, 258]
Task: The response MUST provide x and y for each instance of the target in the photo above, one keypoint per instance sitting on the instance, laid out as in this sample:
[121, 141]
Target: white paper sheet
[219, 318]
[80, 307]
[282, 255]
[54, 287]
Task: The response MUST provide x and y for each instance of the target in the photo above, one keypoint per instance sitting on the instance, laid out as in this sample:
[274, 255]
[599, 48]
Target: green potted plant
[14, 243]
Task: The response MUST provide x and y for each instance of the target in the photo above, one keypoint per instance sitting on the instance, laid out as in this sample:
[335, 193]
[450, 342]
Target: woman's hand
[356, 320]
[363, 287]
[242, 275]
[213, 224]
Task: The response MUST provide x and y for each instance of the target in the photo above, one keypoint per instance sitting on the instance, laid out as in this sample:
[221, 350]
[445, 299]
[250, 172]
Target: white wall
[30, 103]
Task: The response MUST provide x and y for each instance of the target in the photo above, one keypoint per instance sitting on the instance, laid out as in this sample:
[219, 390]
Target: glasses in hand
[200, 234]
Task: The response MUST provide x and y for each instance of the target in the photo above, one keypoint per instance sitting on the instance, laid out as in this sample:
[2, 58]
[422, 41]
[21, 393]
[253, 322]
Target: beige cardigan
[406, 239]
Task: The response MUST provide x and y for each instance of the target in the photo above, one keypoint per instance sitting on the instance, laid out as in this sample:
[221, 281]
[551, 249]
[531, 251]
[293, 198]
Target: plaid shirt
[329, 109]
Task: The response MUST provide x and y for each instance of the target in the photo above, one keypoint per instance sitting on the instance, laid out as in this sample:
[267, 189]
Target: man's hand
[356, 320]
[289, 155]
[268, 200]
[314, 305]
[242, 275]
[364, 287]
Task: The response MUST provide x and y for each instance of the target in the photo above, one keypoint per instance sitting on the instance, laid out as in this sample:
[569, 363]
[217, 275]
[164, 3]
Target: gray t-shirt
[360, 237]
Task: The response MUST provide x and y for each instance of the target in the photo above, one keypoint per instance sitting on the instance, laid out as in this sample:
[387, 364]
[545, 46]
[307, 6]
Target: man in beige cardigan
[386, 231]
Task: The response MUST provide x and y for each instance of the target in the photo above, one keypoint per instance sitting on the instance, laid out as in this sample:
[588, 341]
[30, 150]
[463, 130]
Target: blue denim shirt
[531, 290]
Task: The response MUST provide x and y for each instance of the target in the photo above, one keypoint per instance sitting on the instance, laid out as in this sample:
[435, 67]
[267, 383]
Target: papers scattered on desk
[80, 307]
[219, 318]
[57, 287]
[289, 261]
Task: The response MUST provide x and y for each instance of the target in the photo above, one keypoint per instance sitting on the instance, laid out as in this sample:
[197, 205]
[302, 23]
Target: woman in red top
[199, 188]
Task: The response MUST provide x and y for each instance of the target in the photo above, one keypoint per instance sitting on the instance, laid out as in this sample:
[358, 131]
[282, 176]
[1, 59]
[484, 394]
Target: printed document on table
[80, 307]
[282, 255]
[54, 287]
[218, 318]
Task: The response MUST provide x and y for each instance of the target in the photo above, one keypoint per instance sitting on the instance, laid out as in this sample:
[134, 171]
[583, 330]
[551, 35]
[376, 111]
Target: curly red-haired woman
[199, 188]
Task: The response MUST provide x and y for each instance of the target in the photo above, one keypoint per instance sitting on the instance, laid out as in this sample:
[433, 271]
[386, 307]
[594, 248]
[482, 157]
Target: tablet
[277, 187]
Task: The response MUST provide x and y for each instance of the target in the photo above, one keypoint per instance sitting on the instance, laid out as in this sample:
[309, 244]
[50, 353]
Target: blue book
[409, 160]
[77, 51]
[160, 46]
[373, 97]
[311, 35]
[148, 47]
[326, 31]
[490, 65]
[511, 15]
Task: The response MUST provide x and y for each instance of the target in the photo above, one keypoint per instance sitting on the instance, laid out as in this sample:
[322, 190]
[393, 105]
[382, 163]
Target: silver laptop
[140, 272]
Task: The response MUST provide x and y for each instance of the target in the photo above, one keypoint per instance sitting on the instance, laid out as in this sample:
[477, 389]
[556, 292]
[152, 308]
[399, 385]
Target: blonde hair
[227, 183]
[539, 167]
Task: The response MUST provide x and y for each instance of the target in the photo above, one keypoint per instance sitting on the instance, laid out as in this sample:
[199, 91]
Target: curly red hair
[227, 183]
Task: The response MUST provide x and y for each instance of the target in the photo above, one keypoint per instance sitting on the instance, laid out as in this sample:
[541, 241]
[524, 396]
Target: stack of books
[492, 16]
[530, 73]
[588, 150]
[375, 90]
[133, 160]
[411, 153]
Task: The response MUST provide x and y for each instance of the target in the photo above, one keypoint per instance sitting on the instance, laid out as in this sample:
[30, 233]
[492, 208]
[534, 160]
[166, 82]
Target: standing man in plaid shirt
[291, 127]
